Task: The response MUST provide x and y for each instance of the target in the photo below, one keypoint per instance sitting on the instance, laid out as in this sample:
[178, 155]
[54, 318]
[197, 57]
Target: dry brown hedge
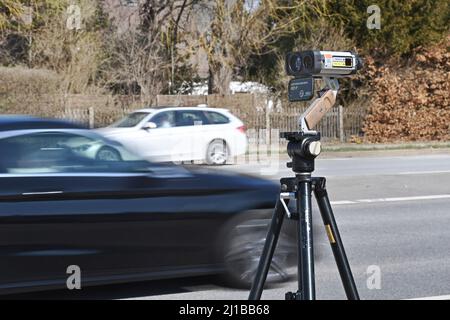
[413, 103]
[28, 91]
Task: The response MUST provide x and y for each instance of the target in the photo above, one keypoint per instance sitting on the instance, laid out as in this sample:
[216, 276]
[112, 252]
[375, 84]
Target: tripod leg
[306, 280]
[267, 254]
[335, 239]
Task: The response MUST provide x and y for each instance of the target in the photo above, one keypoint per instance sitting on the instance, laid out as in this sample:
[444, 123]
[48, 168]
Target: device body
[333, 64]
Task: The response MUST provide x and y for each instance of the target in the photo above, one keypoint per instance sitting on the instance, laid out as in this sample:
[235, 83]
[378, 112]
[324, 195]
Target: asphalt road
[393, 213]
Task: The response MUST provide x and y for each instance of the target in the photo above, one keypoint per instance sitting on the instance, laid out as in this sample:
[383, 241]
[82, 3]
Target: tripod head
[302, 148]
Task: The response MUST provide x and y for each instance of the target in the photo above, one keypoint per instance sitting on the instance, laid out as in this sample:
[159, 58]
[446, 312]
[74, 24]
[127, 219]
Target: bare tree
[147, 56]
[239, 29]
[137, 61]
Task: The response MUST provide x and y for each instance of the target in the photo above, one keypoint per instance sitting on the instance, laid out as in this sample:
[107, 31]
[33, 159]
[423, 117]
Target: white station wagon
[173, 134]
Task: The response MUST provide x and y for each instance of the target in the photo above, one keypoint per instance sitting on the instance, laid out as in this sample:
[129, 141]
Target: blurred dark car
[68, 196]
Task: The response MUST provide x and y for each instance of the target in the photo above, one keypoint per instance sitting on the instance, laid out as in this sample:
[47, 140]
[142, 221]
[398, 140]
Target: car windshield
[130, 120]
[66, 152]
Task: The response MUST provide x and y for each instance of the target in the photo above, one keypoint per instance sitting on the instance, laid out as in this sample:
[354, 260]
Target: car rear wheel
[217, 153]
[242, 250]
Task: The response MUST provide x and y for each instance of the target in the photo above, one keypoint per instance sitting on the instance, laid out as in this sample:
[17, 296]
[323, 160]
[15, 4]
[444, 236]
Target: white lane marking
[423, 172]
[443, 297]
[431, 197]
[336, 159]
[343, 202]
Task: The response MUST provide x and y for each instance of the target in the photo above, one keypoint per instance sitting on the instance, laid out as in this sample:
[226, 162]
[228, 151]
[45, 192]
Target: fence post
[91, 117]
[269, 107]
[341, 123]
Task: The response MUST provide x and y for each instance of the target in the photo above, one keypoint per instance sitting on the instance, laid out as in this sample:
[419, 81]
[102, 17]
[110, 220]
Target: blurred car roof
[20, 122]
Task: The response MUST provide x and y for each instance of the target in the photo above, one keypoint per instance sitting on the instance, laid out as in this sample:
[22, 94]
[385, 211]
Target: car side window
[216, 118]
[190, 118]
[164, 119]
[57, 152]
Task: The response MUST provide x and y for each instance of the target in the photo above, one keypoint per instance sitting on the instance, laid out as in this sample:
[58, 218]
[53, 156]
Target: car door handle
[40, 193]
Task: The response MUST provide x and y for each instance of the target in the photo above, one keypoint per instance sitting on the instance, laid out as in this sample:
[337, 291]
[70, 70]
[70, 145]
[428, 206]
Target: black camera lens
[295, 63]
[308, 62]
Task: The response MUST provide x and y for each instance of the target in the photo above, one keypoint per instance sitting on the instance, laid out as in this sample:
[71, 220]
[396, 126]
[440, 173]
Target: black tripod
[303, 148]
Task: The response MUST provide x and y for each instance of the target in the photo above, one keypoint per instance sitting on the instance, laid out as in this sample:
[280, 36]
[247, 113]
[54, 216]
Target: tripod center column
[306, 277]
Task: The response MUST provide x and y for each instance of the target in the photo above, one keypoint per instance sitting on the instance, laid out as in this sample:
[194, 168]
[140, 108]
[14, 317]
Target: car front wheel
[242, 251]
[108, 154]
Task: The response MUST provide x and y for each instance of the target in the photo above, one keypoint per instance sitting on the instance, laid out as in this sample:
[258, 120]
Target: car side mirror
[149, 125]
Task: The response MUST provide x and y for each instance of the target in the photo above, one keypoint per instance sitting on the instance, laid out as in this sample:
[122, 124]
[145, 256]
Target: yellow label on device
[339, 63]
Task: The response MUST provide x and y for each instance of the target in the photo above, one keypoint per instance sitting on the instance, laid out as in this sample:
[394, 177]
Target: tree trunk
[210, 81]
[222, 79]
